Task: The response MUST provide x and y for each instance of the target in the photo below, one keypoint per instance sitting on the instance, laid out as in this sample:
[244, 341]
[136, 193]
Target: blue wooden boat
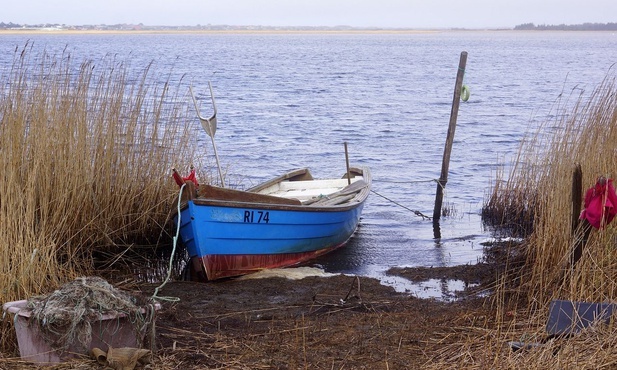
[283, 222]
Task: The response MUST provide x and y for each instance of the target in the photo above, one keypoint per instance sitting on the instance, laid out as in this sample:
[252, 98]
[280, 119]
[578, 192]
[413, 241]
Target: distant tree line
[11, 25]
[569, 27]
[524, 26]
[8, 25]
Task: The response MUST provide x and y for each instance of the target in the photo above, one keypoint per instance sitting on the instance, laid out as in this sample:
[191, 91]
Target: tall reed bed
[539, 187]
[586, 134]
[85, 153]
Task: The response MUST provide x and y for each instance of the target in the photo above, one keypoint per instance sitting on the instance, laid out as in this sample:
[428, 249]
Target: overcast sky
[356, 13]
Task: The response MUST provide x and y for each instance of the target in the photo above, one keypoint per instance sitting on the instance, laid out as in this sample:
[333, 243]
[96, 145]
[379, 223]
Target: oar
[209, 125]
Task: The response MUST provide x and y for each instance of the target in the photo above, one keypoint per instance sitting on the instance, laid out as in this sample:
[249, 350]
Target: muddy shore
[316, 322]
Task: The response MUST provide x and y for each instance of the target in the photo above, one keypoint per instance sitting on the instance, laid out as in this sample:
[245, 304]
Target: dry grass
[592, 349]
[539, 192]
[542, 179]
[85, 150]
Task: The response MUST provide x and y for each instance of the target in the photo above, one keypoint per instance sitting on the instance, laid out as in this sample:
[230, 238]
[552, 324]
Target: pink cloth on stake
[600, 204]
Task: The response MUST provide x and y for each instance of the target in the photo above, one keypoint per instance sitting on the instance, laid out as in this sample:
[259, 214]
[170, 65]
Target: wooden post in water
[443, 179]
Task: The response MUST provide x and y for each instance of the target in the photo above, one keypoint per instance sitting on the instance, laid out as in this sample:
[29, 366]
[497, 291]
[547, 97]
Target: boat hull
[237, 239]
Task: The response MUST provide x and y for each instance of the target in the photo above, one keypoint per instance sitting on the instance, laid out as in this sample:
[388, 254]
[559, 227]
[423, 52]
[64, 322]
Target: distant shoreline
[42, 31]
[121, 29]
[196, 32]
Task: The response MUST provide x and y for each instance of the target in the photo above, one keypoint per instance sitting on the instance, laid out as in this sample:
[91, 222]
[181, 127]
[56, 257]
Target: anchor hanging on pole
[209, 125]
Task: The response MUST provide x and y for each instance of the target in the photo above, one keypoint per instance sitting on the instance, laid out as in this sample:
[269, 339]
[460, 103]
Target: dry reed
[586, 135]
[539, 192]
[85, 150]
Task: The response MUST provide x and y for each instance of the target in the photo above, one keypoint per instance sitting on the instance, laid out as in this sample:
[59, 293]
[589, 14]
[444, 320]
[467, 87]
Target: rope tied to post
[416, 212]
[440, 183]
[465, 93]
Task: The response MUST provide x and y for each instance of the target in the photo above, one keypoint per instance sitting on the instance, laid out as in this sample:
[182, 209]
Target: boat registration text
[256, 217]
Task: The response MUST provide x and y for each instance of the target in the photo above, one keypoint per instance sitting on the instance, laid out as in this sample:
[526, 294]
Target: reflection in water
[440, 289]
[150, 265]
[436, 230]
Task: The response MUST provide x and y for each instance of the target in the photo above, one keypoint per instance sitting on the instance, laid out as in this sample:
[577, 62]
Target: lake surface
[291, 100]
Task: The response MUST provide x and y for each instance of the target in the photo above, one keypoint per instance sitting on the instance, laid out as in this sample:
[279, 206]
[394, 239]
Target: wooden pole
[577, 195]
[443, 179]
[580, 228]
[347, 163]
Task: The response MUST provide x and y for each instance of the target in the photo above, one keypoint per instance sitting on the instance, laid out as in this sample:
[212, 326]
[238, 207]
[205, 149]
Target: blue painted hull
[230, 238]
[220, 230]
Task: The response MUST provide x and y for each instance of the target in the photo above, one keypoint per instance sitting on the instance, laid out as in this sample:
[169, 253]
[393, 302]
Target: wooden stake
[443, 179]
[577, 195]
[580, 228]
[347, 162]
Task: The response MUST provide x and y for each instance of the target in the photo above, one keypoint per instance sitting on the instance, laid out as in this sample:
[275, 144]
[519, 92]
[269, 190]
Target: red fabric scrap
[180, 180]
[193, 177]
[600, 204]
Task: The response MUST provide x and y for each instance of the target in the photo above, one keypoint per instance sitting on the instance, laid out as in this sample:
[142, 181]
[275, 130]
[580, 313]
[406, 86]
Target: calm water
[288, 101]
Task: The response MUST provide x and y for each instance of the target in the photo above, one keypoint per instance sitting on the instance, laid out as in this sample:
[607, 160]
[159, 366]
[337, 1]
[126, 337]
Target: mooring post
[443, 179]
